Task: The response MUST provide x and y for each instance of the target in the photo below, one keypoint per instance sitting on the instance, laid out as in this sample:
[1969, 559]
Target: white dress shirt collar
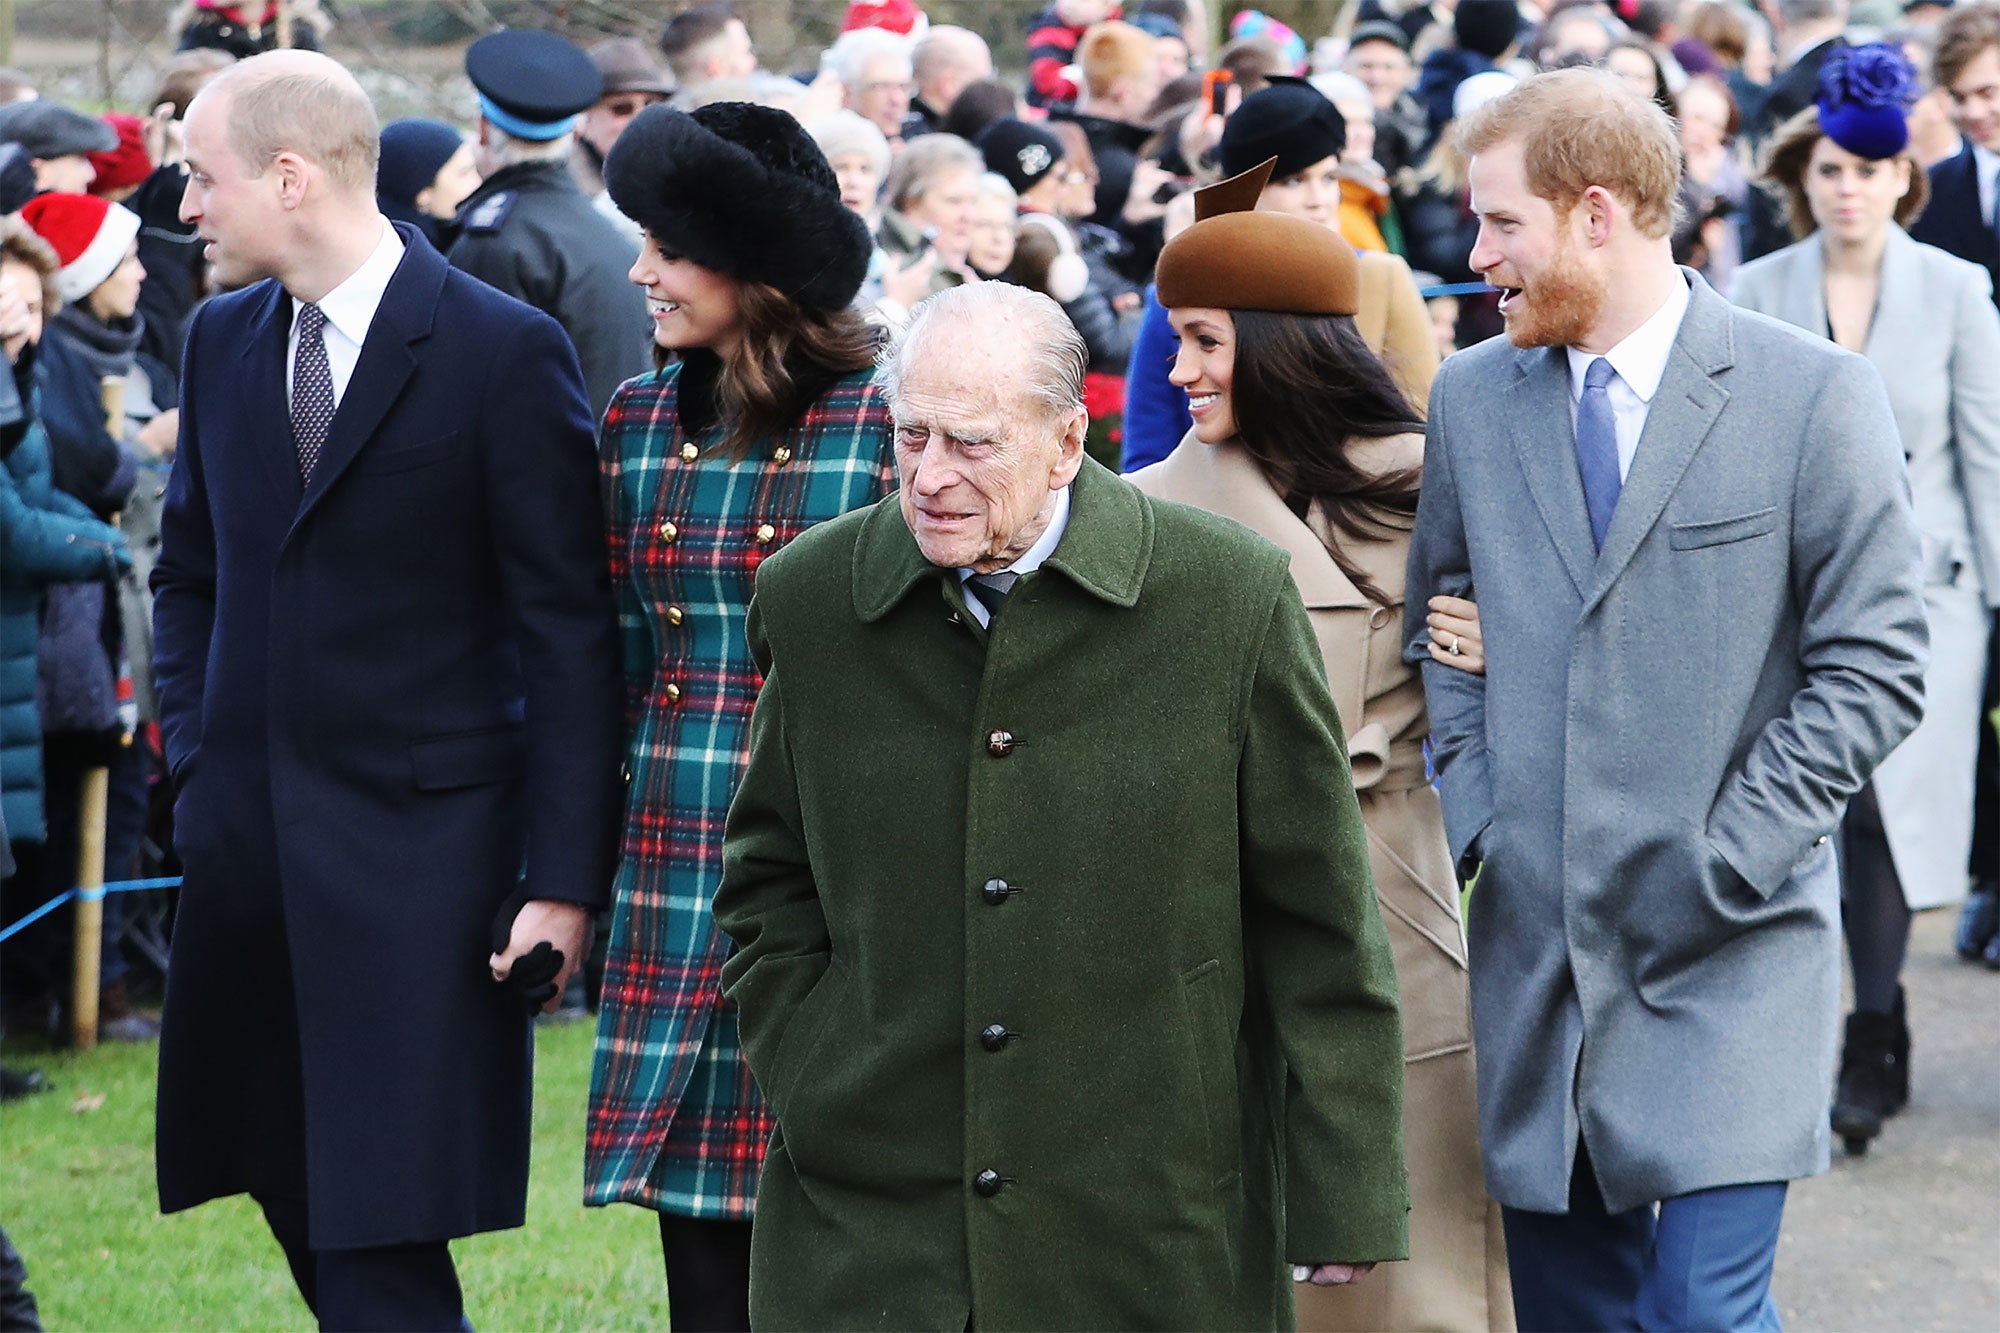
[1986, 173]
[1032, 558]
[1641, 359]
[351, 306]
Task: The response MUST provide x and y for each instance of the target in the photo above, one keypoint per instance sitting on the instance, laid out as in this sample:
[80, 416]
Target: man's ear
[293, 176]
[1070, 460]
[1599, 210]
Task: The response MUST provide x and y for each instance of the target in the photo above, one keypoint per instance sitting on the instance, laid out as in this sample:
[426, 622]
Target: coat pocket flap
[1718, 531]
[380, 459]
[468, 758]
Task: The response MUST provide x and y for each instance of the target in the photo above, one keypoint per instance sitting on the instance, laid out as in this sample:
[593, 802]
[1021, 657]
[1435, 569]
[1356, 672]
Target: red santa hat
[127, 164]
[89, 235]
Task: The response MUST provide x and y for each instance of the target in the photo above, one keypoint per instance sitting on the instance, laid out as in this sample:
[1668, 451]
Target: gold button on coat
[668, 531]
[674, 616]
[782, 455]
[765, 532]
[689, 453]
[673, 693]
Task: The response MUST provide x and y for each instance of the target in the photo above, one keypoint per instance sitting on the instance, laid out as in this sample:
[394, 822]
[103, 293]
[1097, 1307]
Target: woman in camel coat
[1302, 435]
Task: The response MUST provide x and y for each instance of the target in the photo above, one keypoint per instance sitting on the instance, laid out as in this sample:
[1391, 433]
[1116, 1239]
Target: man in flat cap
[528, 229]
[632, 82]
[1062, 972]
[58, 140]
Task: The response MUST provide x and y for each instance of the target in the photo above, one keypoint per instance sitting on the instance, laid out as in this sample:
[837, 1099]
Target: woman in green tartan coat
[711, 465]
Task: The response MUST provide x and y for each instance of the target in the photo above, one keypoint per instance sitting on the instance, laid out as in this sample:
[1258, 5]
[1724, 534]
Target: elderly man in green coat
[1058, 958]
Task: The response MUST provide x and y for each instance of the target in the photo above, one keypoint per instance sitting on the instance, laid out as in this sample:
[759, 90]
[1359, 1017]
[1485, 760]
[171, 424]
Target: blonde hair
[1583, 127]
[1113, 52]
[305, 103]
[1784, 174]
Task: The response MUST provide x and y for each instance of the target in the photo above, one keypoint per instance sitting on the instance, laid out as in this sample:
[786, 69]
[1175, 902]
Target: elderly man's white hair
[1054, 351]
[851, 51]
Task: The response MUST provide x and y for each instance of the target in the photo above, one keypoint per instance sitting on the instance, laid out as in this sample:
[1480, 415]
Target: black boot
[1899, 1048]
[1869, 1075]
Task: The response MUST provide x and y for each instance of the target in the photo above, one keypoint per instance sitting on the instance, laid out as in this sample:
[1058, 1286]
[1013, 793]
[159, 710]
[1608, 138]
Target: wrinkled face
[1975, 99]
[980, 460]
[22, 282]
[456, 179]
[860, 182]
[1360, 118]
[992, 247]
[1853, 198]
[1172, 54]
[945, 209]
[883, 95]
[1312, 194]
[240, 214]
[1204, 368]
[1383, 67]
[691, 306]
[1552, 290]
[118, 295]
[603, 123]
[69, 174]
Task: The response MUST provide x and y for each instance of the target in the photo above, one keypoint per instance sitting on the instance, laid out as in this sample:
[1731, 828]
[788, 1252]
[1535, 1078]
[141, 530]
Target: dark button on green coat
[1201, 1076]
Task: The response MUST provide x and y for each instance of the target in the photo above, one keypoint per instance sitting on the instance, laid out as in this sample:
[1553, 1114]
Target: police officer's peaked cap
[532, 85]
[743, 190]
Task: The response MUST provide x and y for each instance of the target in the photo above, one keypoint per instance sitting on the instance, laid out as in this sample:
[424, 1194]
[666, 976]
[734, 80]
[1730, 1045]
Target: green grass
[77, 1198]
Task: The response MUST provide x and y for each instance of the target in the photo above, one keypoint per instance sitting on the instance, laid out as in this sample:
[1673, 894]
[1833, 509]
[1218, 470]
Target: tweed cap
[1235, 258]
[49, 129]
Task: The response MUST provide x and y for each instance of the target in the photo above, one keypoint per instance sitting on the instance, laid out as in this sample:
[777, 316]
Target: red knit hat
[89, 235]
[127, 164]
[897, 16]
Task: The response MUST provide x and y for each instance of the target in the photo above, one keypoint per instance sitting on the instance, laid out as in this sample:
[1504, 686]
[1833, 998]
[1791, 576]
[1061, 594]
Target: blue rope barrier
[1456, 289]
[116, 886]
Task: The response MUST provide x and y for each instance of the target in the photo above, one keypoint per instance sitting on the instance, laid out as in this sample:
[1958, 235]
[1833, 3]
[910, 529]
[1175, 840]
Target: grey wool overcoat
[1058, 958]
[1667, 733]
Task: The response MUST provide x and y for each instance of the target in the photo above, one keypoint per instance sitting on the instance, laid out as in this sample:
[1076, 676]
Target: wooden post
[284, 23]
[91, 815]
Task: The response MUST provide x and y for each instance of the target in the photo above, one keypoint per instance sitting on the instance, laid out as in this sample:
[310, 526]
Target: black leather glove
[534, 975]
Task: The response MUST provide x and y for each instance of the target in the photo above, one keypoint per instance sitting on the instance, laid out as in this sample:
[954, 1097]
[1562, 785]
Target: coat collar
[1224, 479]
[1105, 551]
[1683, 409]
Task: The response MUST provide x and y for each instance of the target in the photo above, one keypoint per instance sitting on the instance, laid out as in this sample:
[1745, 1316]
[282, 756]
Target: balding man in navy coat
[389, 685]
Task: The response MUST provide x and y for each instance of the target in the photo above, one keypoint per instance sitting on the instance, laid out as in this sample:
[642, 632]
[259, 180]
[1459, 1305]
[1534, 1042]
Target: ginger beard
[1559, 307]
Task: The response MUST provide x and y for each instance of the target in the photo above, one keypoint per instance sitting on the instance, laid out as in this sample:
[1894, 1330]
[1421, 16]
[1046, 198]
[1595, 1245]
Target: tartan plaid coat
[676, 1122]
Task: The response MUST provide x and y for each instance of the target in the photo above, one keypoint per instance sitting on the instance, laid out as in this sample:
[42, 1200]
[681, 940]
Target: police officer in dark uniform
[528, 229]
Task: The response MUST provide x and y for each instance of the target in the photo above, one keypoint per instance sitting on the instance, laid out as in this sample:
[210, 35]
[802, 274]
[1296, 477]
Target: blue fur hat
[1864, 98]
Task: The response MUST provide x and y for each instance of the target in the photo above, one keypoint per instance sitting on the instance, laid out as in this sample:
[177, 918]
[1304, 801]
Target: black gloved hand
[534, 975]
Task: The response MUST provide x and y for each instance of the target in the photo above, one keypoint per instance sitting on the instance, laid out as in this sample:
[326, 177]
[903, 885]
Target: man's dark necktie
[1597, 449]
[312, 390]
[992, 591]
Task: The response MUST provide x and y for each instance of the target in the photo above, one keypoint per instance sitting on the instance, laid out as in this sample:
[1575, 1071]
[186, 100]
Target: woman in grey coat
[1927, 322]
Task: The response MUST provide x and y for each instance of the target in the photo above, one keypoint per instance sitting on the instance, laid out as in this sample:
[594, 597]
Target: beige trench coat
[1456, 1276]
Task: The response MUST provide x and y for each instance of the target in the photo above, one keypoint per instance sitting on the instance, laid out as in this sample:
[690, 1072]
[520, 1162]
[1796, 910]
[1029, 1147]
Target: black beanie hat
[1486, 27]
[1291, 120]
[1021, 152]
[743, 190]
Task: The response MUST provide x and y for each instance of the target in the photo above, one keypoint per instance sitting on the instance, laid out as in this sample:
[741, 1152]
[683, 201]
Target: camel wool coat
[1057, 955]
[1456, 1276]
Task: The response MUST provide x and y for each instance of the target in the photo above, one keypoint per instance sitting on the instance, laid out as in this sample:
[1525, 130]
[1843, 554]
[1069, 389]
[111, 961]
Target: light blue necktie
[1597, 449]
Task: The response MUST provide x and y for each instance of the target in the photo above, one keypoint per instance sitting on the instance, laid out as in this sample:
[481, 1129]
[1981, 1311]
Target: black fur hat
[743, 190]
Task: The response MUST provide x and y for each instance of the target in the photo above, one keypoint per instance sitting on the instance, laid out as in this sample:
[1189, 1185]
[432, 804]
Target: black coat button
[1000, 744]
[996, 891]
[987, 1183]
[993, 1036]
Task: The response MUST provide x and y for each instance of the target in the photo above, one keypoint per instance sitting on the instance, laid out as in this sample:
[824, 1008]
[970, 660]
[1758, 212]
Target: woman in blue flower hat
[1844, 172]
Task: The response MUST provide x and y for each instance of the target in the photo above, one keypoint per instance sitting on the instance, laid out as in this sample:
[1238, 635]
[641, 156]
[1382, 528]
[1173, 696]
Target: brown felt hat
[1235, 258]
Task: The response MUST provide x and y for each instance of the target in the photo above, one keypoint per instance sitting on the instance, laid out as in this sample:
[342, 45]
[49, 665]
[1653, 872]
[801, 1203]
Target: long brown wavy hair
[1303, 386]
[787, 356]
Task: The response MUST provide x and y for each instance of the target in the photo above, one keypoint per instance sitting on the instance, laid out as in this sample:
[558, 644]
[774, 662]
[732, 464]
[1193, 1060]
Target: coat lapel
[1901, 302]
[1682, 412]
[1805, 287]
[264, 397]
[388, 359]
[1225, 480]
[1537, 410]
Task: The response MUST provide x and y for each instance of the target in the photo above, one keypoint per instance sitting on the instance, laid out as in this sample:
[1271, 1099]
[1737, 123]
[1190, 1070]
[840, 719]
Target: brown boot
[116, 1019]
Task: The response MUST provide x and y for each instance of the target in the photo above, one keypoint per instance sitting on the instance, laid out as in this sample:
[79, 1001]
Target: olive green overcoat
[1058, 956]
